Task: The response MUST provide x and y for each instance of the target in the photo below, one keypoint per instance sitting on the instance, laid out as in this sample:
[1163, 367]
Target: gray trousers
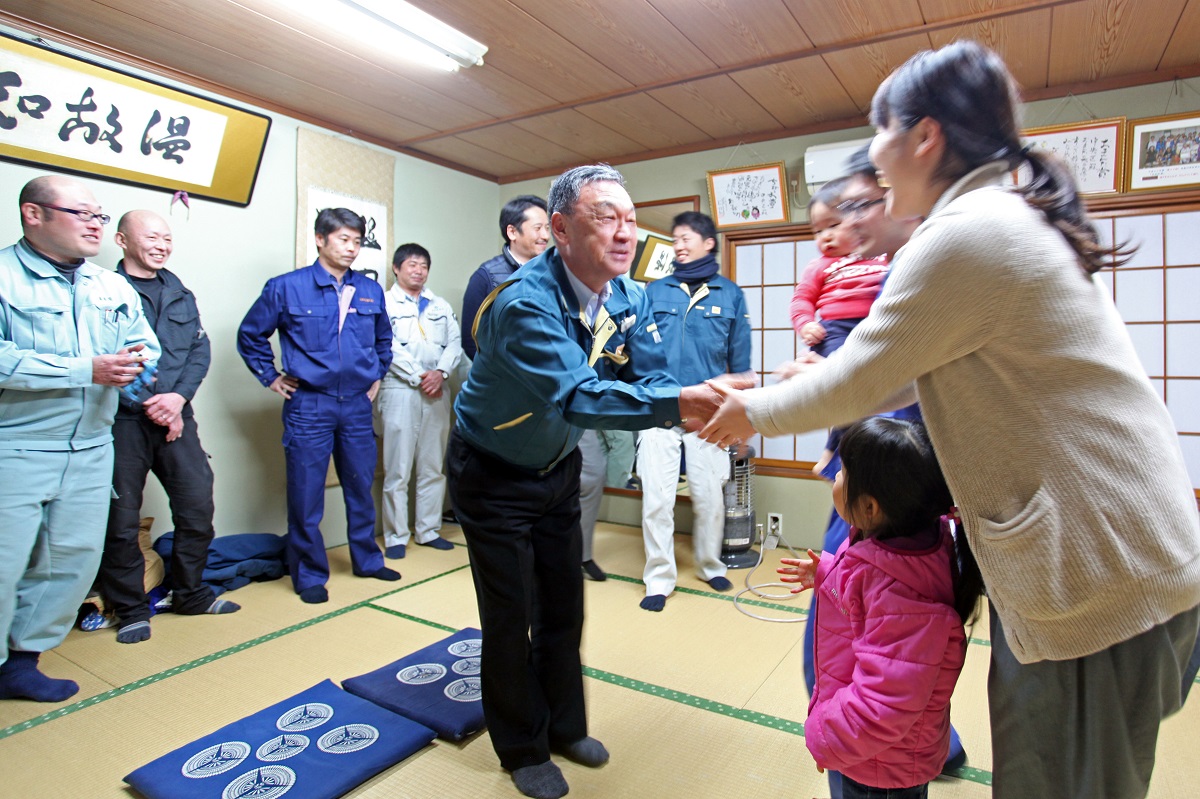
[1086, 728]
[591, 486]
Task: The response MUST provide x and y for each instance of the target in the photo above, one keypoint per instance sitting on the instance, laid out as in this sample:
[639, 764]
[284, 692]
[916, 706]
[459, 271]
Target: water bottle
[141, 389]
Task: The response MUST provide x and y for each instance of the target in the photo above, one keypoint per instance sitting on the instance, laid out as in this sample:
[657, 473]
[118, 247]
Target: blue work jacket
[531, 390]
[303, 306]
[50, 329]
[706, 333]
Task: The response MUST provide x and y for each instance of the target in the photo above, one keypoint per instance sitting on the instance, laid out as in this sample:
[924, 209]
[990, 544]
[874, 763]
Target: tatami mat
[697, 701]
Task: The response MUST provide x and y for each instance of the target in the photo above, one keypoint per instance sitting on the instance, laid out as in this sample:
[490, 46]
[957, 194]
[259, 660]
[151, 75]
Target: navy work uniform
[336, 340]
[552, 359]
[140, 446]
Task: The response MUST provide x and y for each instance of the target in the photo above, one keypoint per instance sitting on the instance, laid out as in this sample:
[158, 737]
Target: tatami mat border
[181, 668]
[791, 727]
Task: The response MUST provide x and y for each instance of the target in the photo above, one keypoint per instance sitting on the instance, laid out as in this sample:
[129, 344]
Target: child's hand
[800, 571]
[812, 333]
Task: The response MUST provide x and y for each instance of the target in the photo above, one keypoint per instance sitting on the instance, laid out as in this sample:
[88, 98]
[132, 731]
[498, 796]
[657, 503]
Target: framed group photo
[1164, 153]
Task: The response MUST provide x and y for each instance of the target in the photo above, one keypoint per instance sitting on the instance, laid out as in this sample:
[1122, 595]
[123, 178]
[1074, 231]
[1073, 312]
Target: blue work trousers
[316, 426]
[53, 509]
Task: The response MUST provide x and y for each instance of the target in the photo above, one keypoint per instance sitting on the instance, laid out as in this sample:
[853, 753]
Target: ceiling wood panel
[573, 130]
[567, 81]
[1022, 41]
[799, 92]
[524, 48]
[861, 70]
[1118, 36]
[645, 120]
[455, 149]
[731, 32]
[941, 10]
[1184, 47]
[631, 38]
[828, 22]
[718, 106]
[522, 145]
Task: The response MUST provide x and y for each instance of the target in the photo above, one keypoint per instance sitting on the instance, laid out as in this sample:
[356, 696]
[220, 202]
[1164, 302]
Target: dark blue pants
[856, 790]
[316, 426]
[524, 541]
[139, 447]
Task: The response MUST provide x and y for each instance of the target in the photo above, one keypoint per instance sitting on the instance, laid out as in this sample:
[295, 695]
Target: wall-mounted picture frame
[1163, 153]
[1093, 149]
[749, 196]
[656, 258]
[73, 115]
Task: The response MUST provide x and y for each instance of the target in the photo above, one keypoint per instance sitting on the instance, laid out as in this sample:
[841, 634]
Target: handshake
[703, 406]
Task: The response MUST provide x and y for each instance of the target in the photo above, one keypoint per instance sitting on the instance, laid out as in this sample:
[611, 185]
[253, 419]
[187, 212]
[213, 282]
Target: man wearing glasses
[71, 334]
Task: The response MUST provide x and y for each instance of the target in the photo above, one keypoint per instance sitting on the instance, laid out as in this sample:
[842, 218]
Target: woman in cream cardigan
[1061, 457]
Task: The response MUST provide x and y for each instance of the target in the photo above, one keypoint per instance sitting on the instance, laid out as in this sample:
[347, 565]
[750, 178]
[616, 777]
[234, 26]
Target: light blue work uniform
[56, 454]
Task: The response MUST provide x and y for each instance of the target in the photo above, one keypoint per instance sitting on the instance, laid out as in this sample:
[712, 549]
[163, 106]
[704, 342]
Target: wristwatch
[445, 375]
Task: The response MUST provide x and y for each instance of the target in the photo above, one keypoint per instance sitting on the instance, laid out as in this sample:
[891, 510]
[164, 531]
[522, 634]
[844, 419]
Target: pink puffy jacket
[889, 648]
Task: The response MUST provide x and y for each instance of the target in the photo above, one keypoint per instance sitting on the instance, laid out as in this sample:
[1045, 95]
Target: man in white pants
[701, 318]
[413, 408]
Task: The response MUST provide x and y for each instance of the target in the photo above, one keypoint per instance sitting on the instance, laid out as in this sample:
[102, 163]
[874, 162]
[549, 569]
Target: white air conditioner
[824, 162]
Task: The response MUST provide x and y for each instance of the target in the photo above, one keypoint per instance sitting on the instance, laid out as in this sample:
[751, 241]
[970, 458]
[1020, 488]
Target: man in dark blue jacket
[336, 346]
[159, 435]
[526, 232]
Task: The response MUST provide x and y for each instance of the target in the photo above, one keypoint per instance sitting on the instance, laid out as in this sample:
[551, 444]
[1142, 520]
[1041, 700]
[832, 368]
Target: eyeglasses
[858, 207]
[84, 216]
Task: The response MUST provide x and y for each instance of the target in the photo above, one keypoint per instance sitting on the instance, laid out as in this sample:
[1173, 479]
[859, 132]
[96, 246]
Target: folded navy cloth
[318, 744]
[234, 560]
[437, 686]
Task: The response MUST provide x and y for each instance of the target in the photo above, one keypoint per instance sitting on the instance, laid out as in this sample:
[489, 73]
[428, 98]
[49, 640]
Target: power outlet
[774, 530]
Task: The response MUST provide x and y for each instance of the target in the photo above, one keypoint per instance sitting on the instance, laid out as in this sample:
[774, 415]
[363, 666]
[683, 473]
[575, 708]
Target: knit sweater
[1062, 458]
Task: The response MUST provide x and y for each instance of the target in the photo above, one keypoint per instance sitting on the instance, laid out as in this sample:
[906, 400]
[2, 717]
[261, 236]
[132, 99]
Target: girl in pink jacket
[893, 601]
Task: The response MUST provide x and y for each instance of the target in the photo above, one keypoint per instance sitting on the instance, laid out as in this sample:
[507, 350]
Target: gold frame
[651, 245]
[778, 170]
[1118, 156]
[1131, 152]
[242, 144]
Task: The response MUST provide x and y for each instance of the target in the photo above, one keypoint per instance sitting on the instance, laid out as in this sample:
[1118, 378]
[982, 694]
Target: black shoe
[593, 571]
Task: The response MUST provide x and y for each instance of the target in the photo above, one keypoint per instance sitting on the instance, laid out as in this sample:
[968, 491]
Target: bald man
[71, 334]
[158, 434]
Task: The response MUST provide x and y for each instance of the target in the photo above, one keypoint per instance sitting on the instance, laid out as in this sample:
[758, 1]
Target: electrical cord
[757, 589]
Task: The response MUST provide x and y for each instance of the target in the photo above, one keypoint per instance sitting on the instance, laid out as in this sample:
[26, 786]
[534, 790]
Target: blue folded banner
[437, 686]
[318, 744]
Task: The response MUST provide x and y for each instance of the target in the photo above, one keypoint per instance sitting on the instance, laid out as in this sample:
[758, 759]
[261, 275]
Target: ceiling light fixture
[424, 30]
[413, 33]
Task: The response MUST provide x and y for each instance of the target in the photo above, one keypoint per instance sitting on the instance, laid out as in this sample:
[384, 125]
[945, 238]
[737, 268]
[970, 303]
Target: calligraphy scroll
[77, 116]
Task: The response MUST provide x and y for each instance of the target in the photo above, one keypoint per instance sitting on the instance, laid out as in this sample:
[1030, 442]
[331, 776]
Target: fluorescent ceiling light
[398, 27]
[414, 22]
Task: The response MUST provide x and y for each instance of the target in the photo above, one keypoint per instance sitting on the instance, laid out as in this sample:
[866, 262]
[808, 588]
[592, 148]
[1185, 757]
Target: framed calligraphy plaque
[73, 115]
[748, 195]
[1164, 153]
[656, 258]
[1094, 150]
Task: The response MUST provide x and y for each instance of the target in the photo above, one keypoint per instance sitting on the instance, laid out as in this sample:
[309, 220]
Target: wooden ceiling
[573, 81]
